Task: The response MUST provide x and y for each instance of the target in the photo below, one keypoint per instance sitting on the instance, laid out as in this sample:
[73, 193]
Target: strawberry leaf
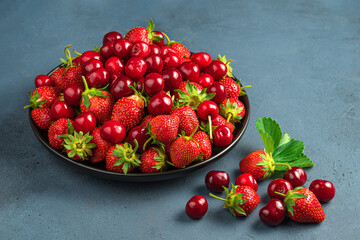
[302, 161]
[288, 151]
[270, 133]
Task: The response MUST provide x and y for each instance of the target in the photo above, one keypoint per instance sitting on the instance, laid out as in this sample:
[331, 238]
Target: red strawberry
[152, 160]
[142, 34]
[77, 145]
[102, 146]
[180, 50]
[59, 127]
[42, 97]
[184, 150]
[303, 206]
[241, 200]
[232, 109]
[163, 129]
[41, 117]
[128, 111]
[233, 88]
[57, 76]
[191, 94]
[188, 119]
[146, 120]
[205, 145]
[97, 101]
[259, 163]
[122, 158]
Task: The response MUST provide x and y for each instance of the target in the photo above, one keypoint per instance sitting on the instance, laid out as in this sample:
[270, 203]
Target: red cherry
[86, 56]
[247, 179]
[172, 78]
[135, 68]
[196, 207]
[154, 63]
[107, 50]
[323, 190]
[154, 49]
[222, 136]
[138, 133]
[216, 180]
[61, 109]
[85, 122]
[160, 35]
[202, 59]
[114, 65]
[140, 85]
[72, 95]
[273, 213]
[160, 104]
[217, 69]
[189, 71]
[113, 132]
[153, 83]
[207, 108]
[122, 48]
[219, 90]
[279, 185]
[98, 78]
[296, 176]
[111, 37]
[120, 88]
[76, 61]
[113, 78]
[205, 80]
[43, 80]
[164, 50]
[171, 60]
[90, 66]
[139, 49]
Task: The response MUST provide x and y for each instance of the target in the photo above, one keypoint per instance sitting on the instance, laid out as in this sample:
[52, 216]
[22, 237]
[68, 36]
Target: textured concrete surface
[301, 57]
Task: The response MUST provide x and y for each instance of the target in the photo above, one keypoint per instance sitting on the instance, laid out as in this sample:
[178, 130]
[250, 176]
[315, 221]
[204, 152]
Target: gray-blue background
[302, 59]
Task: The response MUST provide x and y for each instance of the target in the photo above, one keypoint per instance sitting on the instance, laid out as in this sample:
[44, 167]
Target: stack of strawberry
[138, 103]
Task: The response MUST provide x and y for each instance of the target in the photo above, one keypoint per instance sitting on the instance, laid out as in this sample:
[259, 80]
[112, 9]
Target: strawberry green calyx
[242, 89]
[289, 198]
[227, 63]
[128, 157]
[231, 112]
[152, 35]
[78, 145]
[34, 103]
[92, 92]
[193, 98]
[161, 159]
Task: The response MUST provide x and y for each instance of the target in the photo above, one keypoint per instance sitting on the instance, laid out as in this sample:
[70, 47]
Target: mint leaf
[270, 132]
[289, 151]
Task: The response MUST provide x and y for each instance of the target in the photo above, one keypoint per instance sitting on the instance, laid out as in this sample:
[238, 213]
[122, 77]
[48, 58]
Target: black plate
[99, 169]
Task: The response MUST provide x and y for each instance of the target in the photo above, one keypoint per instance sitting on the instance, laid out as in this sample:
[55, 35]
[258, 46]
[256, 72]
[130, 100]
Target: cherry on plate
[121, 87]
[91, 65]
[138, 133]
[189, 71]
[43, 80]
[154, 63]
[205, 80]
[154, 49]
[161, 42]
[323, 190]
[171, 60]
[121, 48]
[273, 213]
[279, 185]
[164, 50]
[86, 56]
[85, 122]
[219, 90]
[247, 179]
[160, 104]
[153, 83]
[217, 69]
[111, 37]
[296, 176]
[196, 207]
[107, 50]
[98, 78]
[139, 49]
[113, 132]
[216, 180]
[202, 59]
[172, 78]
[114, 65]
[222, 136]
[135, 68]
[72, 95]
[60, 109]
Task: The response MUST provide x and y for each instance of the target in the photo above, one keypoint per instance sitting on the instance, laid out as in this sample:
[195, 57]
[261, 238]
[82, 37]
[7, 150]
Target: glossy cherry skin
[154, 49]
[296, 176]
[273, 213]
[43, 80]
[113, 78]
[207, 108]
[135, 68]
[216, 69]
[205, 80]
[160, 104]
[107, 50]
[154, 63]
[279, 185]
[215, 180]
[164, 50]
[111, 37]
[222, 136]
[219, 90]
[202, 59]
[86, 56]
[113, 132]
[76, 61]
[196, 207]
[120, 88]
[153, 83]
[121, 48]
[85, 122]
[172, 78]
[72, 95]
[61, 109]
[98, 78]
[91, 65]
[323, 190]
[171, 60]
[189, 71]
[114, 65]
[138, 133]
[161, 42]
[140, 85]
[247, 179]
[139, 49]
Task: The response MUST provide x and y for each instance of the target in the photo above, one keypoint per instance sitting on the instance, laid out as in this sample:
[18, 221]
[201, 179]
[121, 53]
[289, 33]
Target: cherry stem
[85, 84]
[168, 39]
[210, 126]
[135, 149]
[283, 164]
[147, 141]
[281, 194]
[212, 195]
[77, 53]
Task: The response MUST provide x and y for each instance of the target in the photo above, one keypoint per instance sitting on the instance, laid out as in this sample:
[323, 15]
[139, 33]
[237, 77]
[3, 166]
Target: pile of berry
[138, 103]
[288, 196]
